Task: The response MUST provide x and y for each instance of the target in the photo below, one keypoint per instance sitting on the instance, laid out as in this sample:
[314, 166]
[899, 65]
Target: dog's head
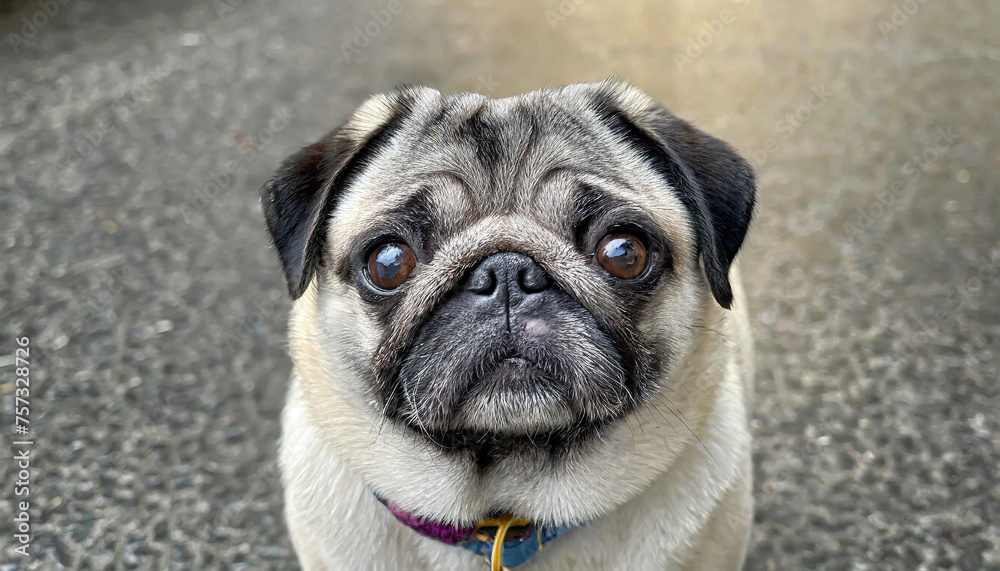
[498, 273]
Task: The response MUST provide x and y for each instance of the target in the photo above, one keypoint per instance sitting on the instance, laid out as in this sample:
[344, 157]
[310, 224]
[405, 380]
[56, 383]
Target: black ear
[715, 184]
[298, 200]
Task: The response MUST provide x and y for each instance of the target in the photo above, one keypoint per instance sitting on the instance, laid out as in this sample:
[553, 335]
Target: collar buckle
[501, 527]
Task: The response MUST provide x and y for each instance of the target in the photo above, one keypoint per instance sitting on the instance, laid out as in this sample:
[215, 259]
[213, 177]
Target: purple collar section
[450, 534]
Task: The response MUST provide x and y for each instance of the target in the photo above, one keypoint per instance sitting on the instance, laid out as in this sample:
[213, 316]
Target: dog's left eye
[390, 264]
[622, 255]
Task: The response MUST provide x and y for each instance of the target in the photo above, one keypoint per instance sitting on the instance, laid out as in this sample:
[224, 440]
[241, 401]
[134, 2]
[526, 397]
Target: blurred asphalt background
[156, 309]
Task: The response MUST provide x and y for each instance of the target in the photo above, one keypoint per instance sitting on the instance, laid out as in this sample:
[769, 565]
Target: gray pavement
[134, 136]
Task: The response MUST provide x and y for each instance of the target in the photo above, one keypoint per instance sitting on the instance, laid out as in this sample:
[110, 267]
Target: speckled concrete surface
[134, 137]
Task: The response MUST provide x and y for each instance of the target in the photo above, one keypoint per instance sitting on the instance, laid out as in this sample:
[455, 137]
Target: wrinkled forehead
[543, 156]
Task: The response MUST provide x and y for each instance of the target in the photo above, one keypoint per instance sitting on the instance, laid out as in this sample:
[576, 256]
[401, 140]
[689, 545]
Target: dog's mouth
[515, 361]
[510, 394]
[515, 395]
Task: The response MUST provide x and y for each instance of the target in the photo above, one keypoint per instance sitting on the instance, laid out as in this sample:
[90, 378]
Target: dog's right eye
[622, 255]
[390, 264]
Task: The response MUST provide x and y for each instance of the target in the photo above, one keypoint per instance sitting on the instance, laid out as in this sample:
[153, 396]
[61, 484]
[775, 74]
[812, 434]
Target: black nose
[507, 278]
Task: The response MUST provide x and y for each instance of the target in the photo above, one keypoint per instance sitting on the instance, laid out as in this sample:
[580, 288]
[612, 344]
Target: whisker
[680, 416]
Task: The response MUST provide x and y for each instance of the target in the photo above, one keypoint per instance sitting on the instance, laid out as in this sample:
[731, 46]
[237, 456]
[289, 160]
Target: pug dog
[518, 337]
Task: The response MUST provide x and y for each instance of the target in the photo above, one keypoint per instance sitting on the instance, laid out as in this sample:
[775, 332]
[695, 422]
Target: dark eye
[622, 255]
[390, 264]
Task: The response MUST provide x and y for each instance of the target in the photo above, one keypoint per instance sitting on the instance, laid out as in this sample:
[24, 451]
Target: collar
[504, 541]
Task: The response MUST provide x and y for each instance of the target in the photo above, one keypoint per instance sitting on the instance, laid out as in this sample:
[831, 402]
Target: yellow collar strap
[501, 527]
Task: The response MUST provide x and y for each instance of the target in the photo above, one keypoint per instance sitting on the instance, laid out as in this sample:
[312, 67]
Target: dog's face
[508, 276]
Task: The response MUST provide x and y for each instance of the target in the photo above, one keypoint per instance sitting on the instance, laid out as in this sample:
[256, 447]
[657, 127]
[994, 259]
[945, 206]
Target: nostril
[483, 282]
[533, 279]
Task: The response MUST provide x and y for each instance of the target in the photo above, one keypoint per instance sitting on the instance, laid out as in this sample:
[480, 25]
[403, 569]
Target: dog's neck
[519, 540]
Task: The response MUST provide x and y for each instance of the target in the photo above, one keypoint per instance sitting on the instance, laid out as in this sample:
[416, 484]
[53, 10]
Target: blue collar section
[518, 550]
